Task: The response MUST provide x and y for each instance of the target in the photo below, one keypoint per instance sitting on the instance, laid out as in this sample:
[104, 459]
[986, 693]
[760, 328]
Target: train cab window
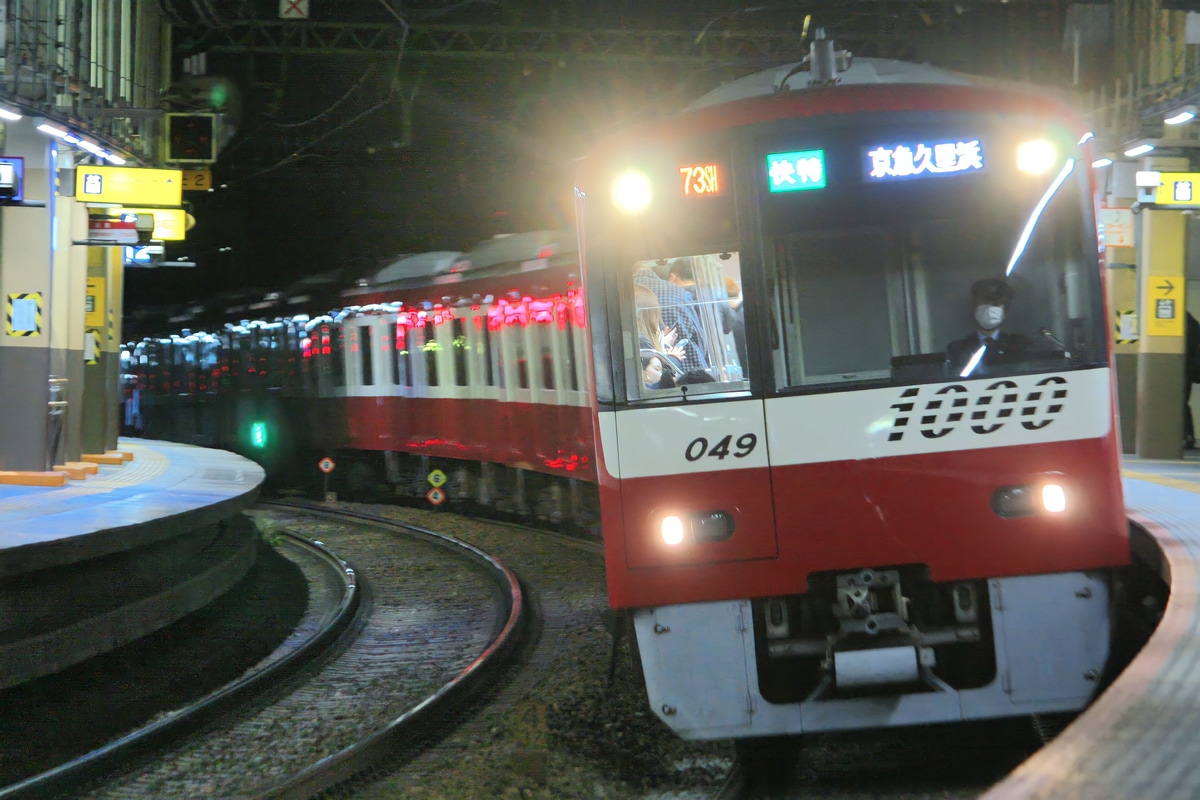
[687, 324]
[933, 279]
[366, 352]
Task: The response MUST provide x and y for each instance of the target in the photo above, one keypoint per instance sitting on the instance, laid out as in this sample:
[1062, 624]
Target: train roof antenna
[822, 62]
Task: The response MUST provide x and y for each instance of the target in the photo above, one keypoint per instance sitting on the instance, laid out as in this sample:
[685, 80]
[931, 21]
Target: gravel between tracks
[560, 730]
[404, 652]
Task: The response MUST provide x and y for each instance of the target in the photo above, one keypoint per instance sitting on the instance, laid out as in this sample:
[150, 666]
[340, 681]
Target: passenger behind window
[982, 352]
[662, 359]
[734, 320]
[704, 302]
[677, 313]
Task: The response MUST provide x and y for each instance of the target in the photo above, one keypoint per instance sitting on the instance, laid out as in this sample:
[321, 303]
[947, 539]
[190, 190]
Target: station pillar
[1162, 288]
[35, 253]
[102, 349]
[66, 307]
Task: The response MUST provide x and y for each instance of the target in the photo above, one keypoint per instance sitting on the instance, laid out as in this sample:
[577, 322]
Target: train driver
[980, 352]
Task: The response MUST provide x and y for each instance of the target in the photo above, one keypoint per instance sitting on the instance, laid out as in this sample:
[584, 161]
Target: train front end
[855, 409]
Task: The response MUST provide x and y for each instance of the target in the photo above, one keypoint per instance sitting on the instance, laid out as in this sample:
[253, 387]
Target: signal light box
[191, 138]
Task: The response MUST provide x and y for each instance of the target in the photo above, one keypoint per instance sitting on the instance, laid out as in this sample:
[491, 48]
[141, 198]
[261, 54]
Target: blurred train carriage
[471, 362]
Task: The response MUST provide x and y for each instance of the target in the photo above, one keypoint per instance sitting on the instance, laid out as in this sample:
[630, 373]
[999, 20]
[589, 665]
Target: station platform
[103, 560]
[1141, 737]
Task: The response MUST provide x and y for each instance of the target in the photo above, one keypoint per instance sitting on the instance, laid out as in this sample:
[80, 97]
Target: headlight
[1027, 499]
[707, 526]
[631, 192]
[1054, 498]
[1036, 157]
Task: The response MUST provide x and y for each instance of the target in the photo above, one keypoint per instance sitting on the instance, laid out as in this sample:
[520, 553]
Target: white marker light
[1036, 157]
[1054, 498]
[631, 192]
[672, 530]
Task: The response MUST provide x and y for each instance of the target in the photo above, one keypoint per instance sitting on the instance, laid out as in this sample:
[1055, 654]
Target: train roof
[421, 265]
[860, 71]
[517, 248]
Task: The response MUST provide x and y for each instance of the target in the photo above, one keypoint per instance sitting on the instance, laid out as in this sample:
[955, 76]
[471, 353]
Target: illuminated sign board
[170, 224]
[142, 256]
[12, 179]
[133, 185]
[703, 180]
[796, 171]
[922, 159]
[1178, 189]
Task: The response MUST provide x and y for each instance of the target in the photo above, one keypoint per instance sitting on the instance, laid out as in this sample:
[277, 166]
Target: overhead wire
[301, 153]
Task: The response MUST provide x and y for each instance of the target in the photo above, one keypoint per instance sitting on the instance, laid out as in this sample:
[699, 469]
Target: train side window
[365, 352]
[489, 361]
[430, 347]
[337, 363]
[460, 352]
[546, 345]
[402, 358]
[571, 366]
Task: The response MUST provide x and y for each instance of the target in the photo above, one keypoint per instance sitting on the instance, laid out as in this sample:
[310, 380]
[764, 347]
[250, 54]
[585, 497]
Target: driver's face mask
[989, 317]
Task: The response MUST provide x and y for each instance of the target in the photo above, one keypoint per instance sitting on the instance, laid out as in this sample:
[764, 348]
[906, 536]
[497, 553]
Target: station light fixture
[1100, 163]
[51, 129]
[9, 114]
[1180, 115]
[1139, 148]
[74, 138]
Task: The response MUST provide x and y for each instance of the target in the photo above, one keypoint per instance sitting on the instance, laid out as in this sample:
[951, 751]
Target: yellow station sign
[170, 224]
[1178, 189]
[133, 185]
[1164, 306]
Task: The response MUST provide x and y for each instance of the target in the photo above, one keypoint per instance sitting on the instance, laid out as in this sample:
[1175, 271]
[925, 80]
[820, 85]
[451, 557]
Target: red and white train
[878, 483]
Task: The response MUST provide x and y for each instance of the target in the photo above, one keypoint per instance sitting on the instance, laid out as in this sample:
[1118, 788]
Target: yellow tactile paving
[147, 464]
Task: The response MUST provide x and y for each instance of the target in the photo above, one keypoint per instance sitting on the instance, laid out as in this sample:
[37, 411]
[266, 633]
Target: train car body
[472, 365]
[851, 503]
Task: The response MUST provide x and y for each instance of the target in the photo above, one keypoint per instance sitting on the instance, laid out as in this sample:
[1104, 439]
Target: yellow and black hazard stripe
[1117, 327]
[25, 314]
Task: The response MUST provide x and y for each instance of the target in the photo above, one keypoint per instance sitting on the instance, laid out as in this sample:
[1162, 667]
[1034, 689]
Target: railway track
[402, 625]
[568, 718]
